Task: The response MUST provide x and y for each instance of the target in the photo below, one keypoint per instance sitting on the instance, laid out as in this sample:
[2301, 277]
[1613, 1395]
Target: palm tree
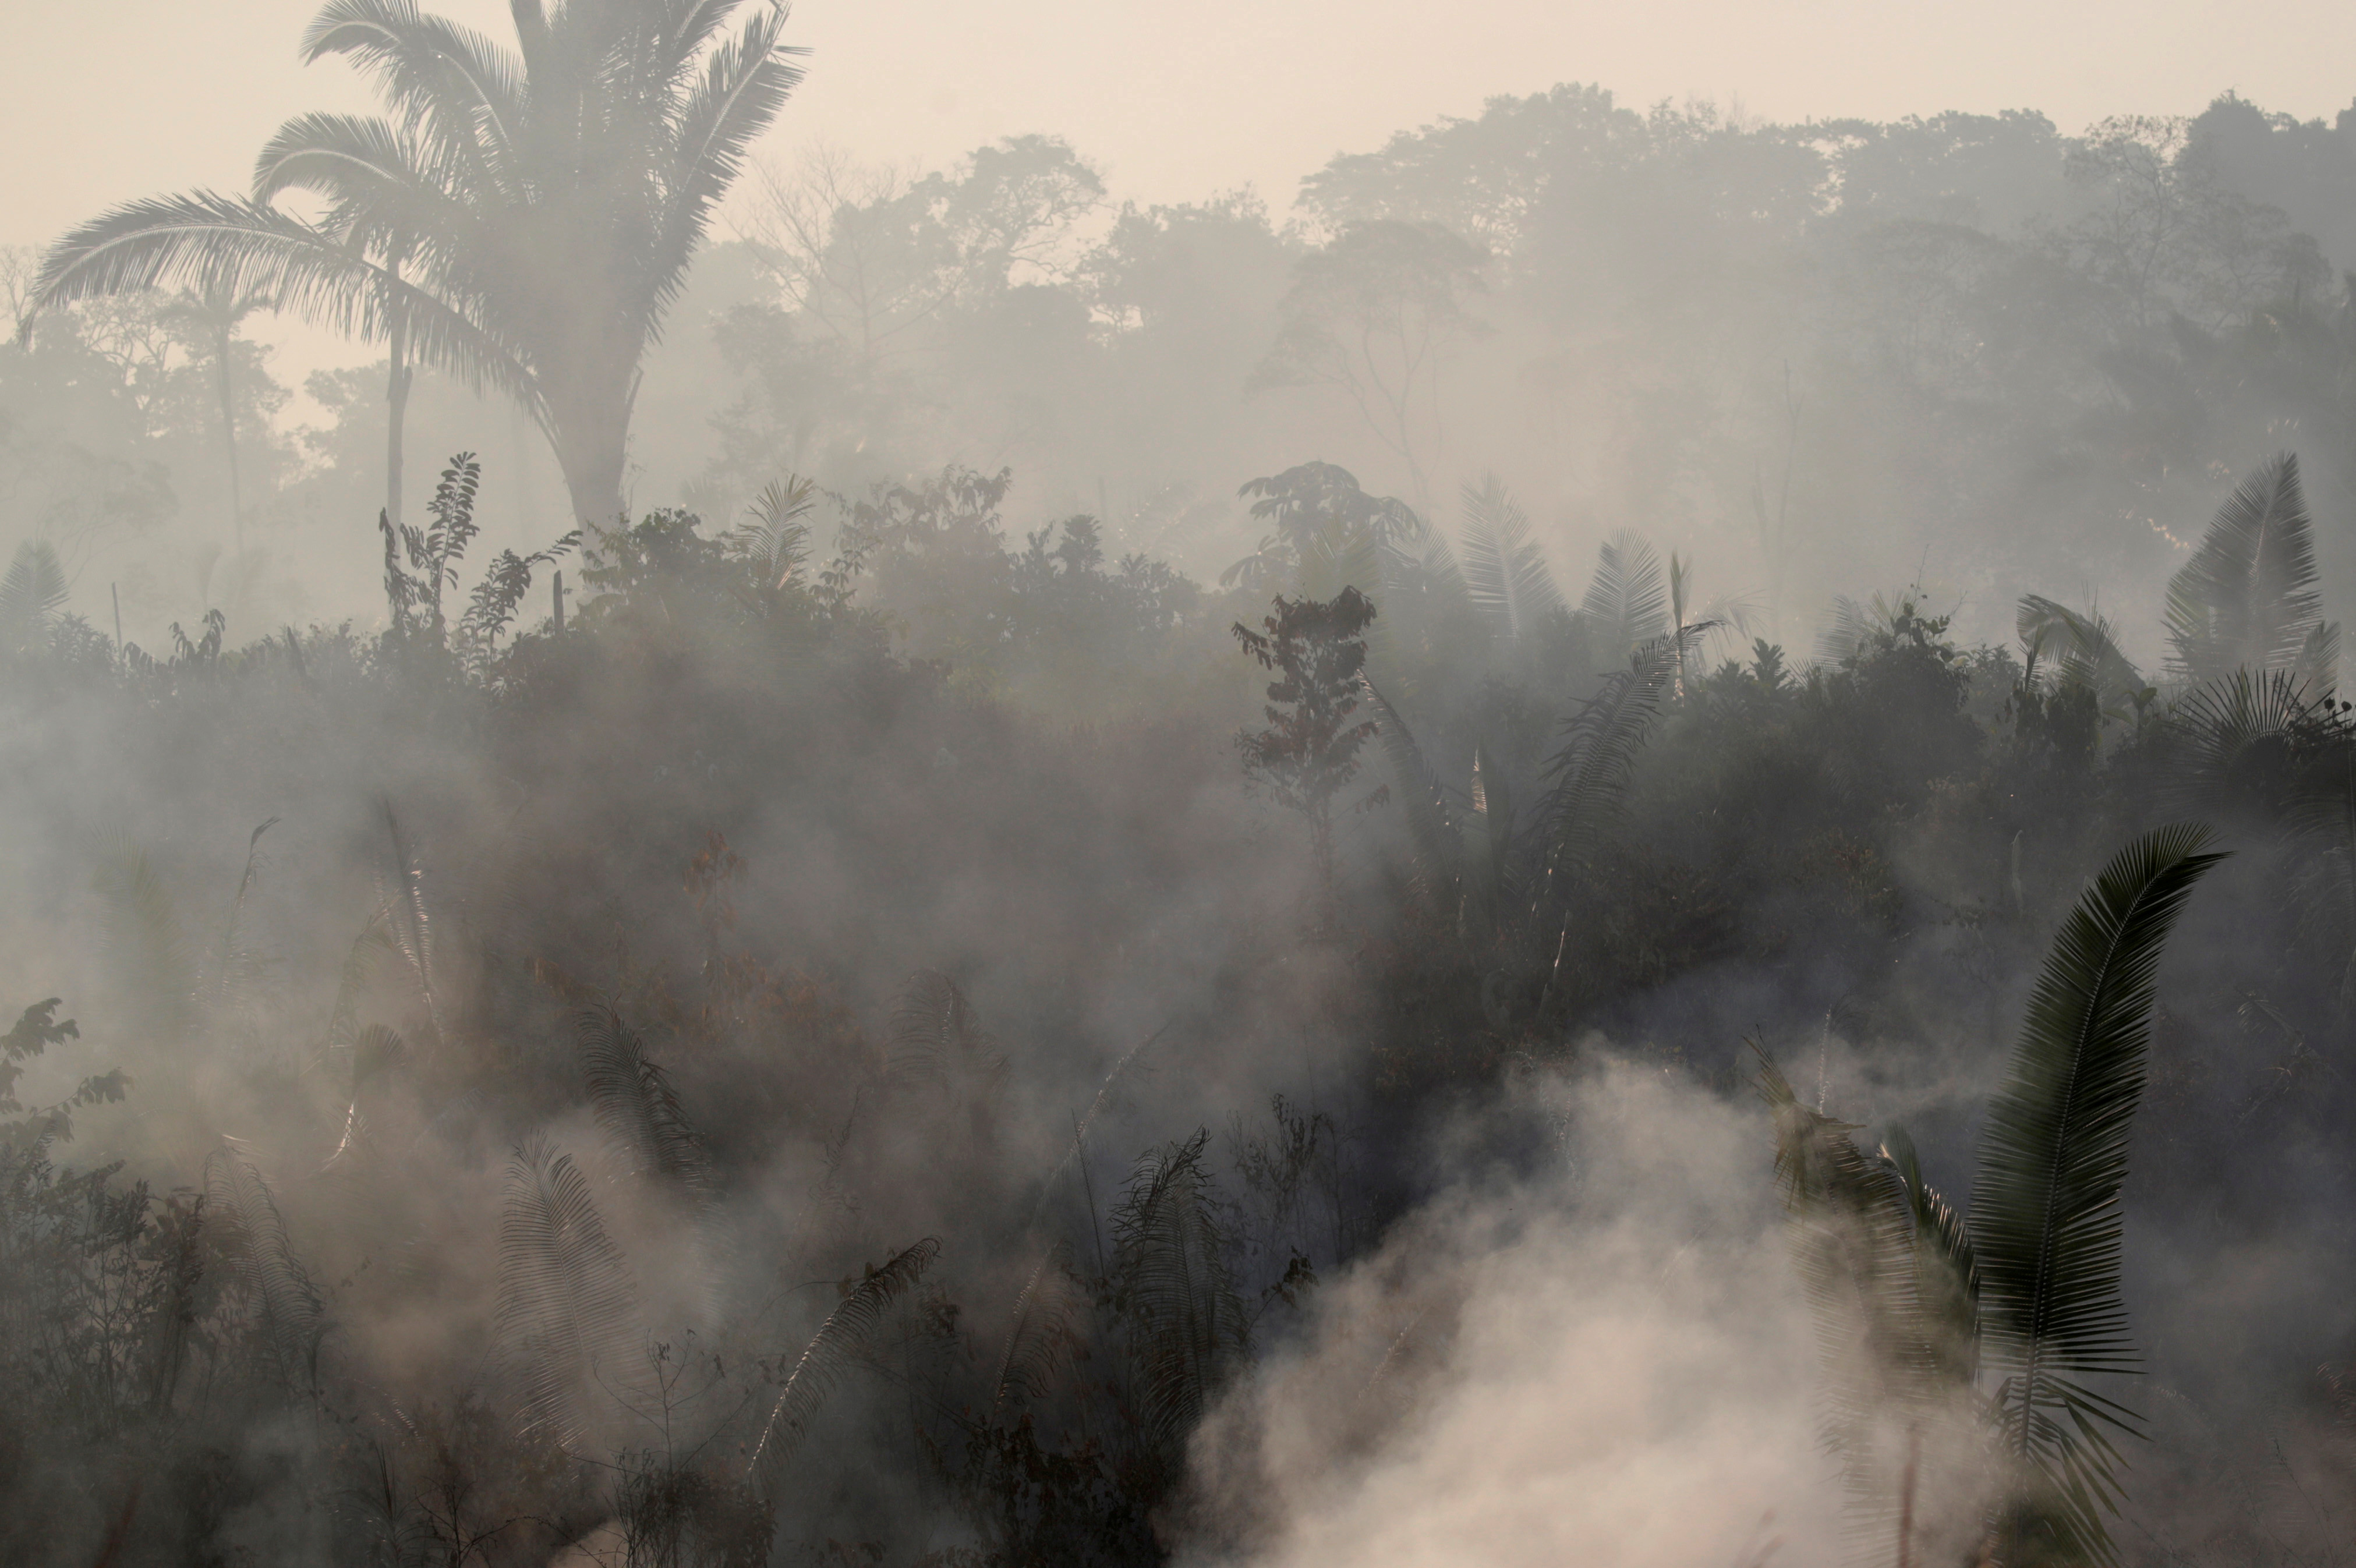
[521, 219]
[1927, 1319]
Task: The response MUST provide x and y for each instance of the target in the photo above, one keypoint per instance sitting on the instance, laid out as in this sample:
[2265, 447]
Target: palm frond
[2317, 664]
[2045, 1224]
[1627, 603]
[253, 1232]
[2247, 597]
[2241, 742]
[210, 242]
[1844, 635]
[448, 81]
[775, 537]
[1947, 1274]
[1077, 1149]
[1590, 770]
[31, 594]
[376, 1052]
[1853, 1242]
[383, 199]
[1176, 1292]
[1505, 570]
[647, 1132]
[745, 82]
[1040, 1342]
[374, 945]
[409, 922]
[828, 1356]
[935, 1037]
[567, 1303]
[2084, 649]
[1433, 833]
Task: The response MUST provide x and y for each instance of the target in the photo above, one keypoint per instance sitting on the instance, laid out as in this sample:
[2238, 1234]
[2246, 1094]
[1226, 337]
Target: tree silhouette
[1310, 749]
[521, 219]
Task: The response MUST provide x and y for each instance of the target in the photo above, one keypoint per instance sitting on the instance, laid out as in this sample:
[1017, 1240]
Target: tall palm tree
[521, 217]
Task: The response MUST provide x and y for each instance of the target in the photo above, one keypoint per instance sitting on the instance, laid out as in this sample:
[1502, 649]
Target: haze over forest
[1617, 828]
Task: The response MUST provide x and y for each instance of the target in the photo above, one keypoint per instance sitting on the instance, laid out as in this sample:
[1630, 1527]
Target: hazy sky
[101, 103]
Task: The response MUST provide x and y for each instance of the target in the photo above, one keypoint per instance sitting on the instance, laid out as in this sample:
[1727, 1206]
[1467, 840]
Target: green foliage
[2247, 598]
[1329, 533]
[288, 1312]
[822, 1363]
[487, 194]
[1875, 1279]
[567, 1302]
[2045, 1224]
[1173, 1291]
[1309, 752]
[432, 555]
[1505, 570]
[1627, 603]
[1917, 1309]
[31, 594]
[646, 1130]
[35, 1030]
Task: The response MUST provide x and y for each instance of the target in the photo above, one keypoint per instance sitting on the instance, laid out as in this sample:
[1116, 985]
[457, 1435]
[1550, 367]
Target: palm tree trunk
[590, 427]
[396, 393]
[222, 343]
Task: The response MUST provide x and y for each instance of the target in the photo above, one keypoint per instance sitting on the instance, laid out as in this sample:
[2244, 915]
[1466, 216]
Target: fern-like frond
[1077, 1149]
[2247, 598]
[372, 946]
[2241, 744]
[647, 1132]
[1186, 1324]
[376, 1052]
[567, 1303]
[828, 1356]
[31, 594]
[2084, 650]
[1853, 1242]
[1947, 1274]
[2045, 1222]
[775, 538]
[1589, 771]
[1433, 833]
[1845, 632]
[1505, 570]
[1627, 603]
[936, 1037]
[1040, 1342]
[253, 1232]
[409, 922]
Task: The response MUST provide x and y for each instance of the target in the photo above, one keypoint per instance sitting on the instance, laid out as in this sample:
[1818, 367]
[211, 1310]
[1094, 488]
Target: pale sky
[102, 103]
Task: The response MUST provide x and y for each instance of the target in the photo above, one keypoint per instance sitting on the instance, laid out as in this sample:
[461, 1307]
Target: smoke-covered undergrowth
[839, 1055]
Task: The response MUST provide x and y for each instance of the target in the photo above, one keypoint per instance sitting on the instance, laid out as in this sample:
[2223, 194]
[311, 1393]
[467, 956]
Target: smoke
[1599, 1358]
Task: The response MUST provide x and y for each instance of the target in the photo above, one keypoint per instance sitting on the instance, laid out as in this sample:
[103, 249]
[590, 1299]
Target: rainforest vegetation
[886, 922]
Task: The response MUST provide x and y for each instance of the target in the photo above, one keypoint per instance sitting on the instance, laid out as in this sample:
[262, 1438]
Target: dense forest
[810, 886]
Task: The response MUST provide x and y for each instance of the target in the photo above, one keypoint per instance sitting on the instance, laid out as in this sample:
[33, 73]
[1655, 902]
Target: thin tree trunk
[396, 394]
[222, 342]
